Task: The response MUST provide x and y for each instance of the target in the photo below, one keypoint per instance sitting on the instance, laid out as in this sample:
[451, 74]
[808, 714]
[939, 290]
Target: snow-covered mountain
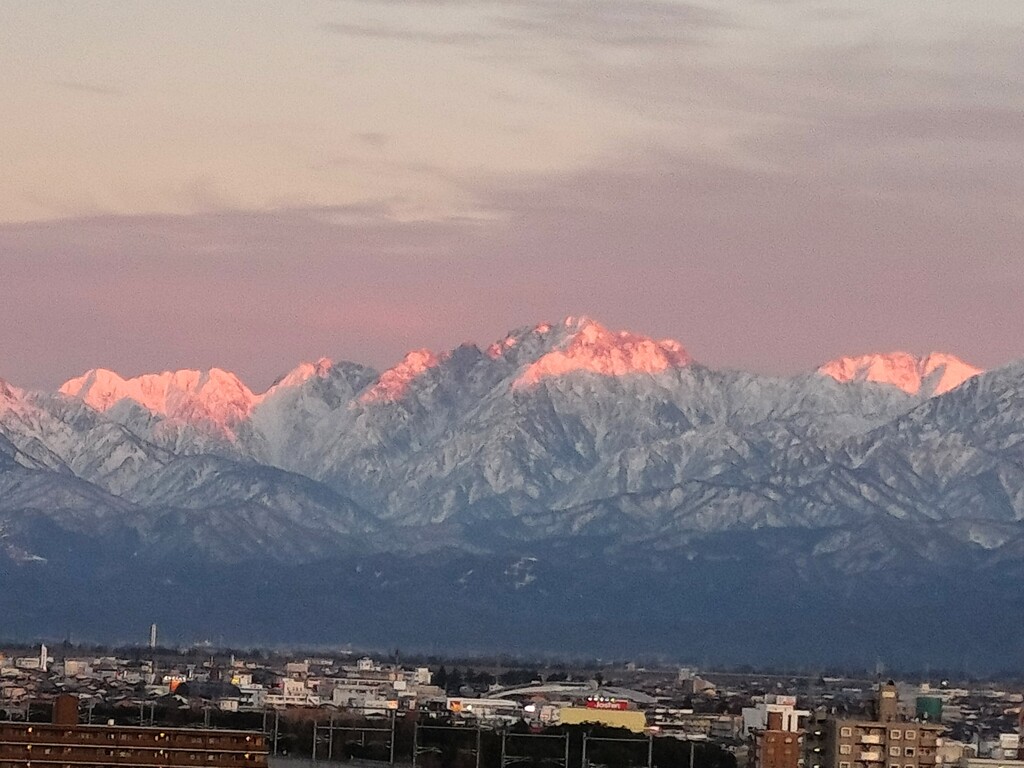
[934, 374]
[559, 444]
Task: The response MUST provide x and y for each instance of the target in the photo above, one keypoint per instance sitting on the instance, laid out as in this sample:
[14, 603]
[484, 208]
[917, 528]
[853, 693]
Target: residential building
[889, 740]
[775, 727]
[65, 742]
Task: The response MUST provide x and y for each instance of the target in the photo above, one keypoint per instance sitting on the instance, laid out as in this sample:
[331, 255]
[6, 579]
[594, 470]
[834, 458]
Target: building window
[894, 751]
[895, 735]
[844, 765]
[908, 751]
[846, 732]
[910, 735]
[844, 749]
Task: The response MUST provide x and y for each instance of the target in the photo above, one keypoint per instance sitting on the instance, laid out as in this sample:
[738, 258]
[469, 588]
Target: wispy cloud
[372, 138]
[84, 87]
[747, 268]
[615, 23]
[642, 23]
[390, 32]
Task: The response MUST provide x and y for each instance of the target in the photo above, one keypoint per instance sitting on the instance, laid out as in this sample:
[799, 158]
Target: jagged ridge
[611, 442]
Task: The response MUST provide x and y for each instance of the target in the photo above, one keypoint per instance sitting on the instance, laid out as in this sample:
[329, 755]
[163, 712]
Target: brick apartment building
[777, 747]
[775, 728]
[65, 743]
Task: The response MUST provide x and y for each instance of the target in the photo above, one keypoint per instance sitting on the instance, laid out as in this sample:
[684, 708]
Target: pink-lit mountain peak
[932, 374]
[586, 346]
[394, 383]
[302, 373]
[214, 396]
[523, 339]
[9, 395]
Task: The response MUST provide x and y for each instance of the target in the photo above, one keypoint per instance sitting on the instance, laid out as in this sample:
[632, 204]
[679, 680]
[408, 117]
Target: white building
[486, 710]
[1006, 746]
[756, 718]
[292, 693]
[253, 697]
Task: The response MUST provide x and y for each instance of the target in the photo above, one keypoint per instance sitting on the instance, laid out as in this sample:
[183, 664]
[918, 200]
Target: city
[261, 706]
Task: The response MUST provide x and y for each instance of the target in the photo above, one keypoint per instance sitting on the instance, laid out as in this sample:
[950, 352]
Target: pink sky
[773, 184]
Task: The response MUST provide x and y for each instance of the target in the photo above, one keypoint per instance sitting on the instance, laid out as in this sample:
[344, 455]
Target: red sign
[601, 704]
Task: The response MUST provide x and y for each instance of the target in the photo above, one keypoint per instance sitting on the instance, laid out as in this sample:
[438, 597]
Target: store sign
[606, 704]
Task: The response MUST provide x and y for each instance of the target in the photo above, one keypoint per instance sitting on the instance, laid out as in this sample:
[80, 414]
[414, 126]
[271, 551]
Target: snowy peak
[394, 383]
[8, 394]
[947, 371]
[933, 374]
[215, 398]
[521, 341]
[302, 373]
[589, 347]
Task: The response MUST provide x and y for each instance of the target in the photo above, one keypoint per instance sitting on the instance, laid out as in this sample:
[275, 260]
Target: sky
[252, 183]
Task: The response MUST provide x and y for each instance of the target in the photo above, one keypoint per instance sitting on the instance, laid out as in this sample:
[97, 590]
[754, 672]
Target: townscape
[341, 706]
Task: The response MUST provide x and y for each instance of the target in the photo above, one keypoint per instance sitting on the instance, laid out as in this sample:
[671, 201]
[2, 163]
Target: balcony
[870, 738]
[871, 757]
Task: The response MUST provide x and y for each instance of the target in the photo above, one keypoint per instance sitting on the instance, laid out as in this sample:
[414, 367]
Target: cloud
[613, 23]
[389, 32]
[747, 268]
[772, 183]
[372, 138]
[83, 87]
[616, 23]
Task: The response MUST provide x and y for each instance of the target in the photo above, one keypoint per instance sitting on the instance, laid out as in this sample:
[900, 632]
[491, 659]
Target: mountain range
[568, 488]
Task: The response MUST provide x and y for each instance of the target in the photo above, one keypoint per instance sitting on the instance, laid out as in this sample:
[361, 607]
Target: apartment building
[889, 740]
[776, 730]
[65, 743]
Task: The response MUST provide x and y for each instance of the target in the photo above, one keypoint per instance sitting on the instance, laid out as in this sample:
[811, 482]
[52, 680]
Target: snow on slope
[552, 417]
[297, 415]
[931, 375]
[61, 434]
[394, 383]
[592, 348]
[215, 400]
[560, 444]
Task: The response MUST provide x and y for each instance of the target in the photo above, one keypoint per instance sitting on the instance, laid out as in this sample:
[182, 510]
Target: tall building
[65, 742]
[889, 740]
[152, 635]
[776, 731]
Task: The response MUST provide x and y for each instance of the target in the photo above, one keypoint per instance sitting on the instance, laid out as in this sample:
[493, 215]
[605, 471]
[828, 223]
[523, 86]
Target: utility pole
[650, 750]
[479, 732]
[330, 741]
[583, 761]
[314, 740]
[277, 722]
[391, 747]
